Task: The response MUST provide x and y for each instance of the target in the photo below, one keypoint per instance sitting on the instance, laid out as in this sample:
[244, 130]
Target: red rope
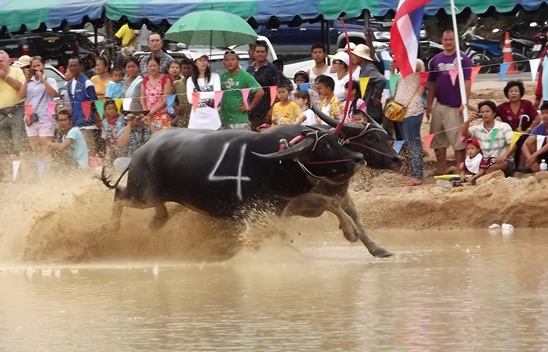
[349, 94]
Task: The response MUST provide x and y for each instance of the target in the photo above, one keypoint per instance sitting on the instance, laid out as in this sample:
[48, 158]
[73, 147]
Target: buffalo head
[320, 154]
[370, 139]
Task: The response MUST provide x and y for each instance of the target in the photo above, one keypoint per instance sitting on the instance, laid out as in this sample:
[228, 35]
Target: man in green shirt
[234, 113]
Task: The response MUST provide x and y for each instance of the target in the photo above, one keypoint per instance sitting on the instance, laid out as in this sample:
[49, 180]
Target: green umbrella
[212, 28]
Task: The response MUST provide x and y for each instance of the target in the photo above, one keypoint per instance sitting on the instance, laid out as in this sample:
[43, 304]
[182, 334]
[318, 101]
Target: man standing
[251, 53]
[320, 67]
[447, 113]
[12, 112]
[181, 105]
[267, 75]
[361, 56]
[234, 113]
[155, 43]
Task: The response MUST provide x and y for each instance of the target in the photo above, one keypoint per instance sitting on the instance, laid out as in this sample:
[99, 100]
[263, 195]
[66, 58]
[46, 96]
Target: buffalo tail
[106, 180]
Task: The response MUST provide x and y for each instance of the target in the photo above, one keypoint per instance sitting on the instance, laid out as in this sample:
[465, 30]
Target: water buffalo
[227, 174]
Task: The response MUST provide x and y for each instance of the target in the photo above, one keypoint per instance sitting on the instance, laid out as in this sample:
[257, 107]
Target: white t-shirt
[312, 76]
[310, 118]
[339, 86]
[204, 117]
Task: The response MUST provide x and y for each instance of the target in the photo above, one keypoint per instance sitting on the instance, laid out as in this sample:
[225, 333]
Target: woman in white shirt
[340, 75]
[206, 83]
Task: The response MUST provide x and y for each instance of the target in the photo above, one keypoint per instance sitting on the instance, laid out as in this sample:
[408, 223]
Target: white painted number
[239, 178]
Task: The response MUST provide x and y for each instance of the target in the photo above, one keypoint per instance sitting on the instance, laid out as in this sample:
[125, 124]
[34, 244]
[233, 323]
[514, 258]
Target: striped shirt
[501, 142]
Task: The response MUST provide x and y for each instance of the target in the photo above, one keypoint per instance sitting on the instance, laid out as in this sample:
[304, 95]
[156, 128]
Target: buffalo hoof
[157, 223]
[350, 236]
[381, 253]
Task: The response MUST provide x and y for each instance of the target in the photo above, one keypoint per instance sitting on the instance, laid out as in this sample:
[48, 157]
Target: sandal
[411, 182]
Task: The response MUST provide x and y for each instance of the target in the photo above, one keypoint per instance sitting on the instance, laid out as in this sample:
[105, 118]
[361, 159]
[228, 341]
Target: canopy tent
[263, 11]
[52, 13]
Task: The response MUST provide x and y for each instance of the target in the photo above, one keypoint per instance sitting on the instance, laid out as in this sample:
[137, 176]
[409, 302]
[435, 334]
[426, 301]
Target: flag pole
[459, 61]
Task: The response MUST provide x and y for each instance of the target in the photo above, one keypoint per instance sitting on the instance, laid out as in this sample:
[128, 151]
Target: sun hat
[352, 47]
[362, 51]
[342, 56]
[23, 61]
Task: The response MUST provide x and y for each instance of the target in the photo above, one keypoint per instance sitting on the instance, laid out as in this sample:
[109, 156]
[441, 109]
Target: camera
[479, 115]
[32, 71]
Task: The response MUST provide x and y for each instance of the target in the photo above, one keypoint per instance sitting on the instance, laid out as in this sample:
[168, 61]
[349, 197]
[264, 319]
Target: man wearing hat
[12, 111]
[361, 56]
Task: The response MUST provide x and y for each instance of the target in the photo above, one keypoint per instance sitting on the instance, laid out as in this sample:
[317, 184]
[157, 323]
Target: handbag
[34, 116]
[395, 111]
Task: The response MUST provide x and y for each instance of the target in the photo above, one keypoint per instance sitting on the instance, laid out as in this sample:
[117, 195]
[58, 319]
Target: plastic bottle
[543, 165]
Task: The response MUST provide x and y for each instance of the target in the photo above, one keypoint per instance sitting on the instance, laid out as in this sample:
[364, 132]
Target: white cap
[340, 56]
[195, 55]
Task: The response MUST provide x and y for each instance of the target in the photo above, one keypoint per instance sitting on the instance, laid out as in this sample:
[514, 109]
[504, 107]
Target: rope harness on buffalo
[367, 128]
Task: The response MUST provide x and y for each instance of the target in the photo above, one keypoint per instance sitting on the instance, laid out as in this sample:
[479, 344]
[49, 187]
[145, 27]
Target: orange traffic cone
[507, 55]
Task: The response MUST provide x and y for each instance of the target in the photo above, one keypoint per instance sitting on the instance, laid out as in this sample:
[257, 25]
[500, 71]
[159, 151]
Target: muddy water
[442, 291]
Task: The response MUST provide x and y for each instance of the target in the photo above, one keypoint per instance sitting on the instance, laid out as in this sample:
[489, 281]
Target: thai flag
[405, 34]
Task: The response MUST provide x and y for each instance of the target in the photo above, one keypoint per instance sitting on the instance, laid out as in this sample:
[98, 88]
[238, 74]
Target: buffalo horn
[290, 153]
[347, 128]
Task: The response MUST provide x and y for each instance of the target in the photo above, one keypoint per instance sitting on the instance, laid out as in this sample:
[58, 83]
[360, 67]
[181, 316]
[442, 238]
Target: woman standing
[407, 94]
[102, 76]
[154, 91]
[132, 83]
[205, 116]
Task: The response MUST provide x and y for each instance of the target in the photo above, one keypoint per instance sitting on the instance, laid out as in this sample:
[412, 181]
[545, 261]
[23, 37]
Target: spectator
[113, 123]
[80, 89]
[115, 87]
[513, 110]
[72, 141]
[446, 114]
[137, 132]
[285, 112]
[531, 154]
[319, 54]
[541, 93]
[251, 60]
[267, 75]
[12, 112]
[174, 71]
[407, 94]
[38, 91]
[263, 127]
[494, 137]
[340, 73]
[307, 118]
[154, 91]
[357, 102]
[102, 77]
[181, 106]
[300, 77]
[132, 83]
[359, 116]
[205, 116]
[361, 57]
[155, 43]
[474, 165]
[127, 35]
[234, 112]
[283, 79]
[330, 105]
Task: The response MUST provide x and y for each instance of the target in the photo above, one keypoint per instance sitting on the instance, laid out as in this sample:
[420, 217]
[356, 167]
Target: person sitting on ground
[329, 105]
[531, 152]
[285, 112]
[113, 123]
[474, 165]
[72, 142]
[495, 138]
[513, 111]
[308, 117]
[114, 87]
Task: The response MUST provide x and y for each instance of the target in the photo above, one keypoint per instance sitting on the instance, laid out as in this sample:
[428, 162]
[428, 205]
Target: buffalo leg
[313, 205]
[160, 217]
[348, 207]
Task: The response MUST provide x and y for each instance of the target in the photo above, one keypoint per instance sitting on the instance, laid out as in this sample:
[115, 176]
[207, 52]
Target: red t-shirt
[525, 108]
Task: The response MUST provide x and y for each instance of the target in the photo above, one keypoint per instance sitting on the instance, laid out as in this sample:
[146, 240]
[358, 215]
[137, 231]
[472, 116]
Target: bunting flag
[273, 93]
[119, 102]
[28, 112]
[540, 141]
[424, 78]
[86, 109]
[428, 141]
[51, 109]
[364, 81]
[503, 69]
[126, 105]
[195, 100]
[454, 72]
[515, 137]
[304, 87]
[534, 64]
[16, 164]
[493, 137]
[461, 139]
[245, 96]
[170, 100]
[393, 81]
[41, 167]
[398, 145]
[100, 106]
[217, 98]
[475, 72]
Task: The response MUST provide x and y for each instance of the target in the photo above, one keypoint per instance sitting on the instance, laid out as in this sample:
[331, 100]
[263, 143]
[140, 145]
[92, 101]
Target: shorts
[40, 129]
[446, 124]
[236, 126]
[509, 170]
[13, 136]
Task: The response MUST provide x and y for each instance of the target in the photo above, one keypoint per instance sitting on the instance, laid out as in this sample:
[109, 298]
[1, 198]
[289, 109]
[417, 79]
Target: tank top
[312, 76]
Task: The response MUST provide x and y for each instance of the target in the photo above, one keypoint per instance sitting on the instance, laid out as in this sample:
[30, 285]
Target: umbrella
[213, 28]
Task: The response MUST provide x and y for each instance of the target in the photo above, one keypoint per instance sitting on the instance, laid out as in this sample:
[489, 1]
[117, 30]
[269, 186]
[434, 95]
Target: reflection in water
[445, 291]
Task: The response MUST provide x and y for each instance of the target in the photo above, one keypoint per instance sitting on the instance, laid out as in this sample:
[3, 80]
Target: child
[114, 87]
[330, 105]
[474, 166]
[357, 103]
[284, 112]
[174, 71]
[358, 116]
[308, 117]
[113, 123]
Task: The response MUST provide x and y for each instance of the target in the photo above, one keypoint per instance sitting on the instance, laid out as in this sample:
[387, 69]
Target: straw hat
[352, 47]
[362, 51]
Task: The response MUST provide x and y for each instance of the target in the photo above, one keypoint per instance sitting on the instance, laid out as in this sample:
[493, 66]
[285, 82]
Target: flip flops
[411, 182]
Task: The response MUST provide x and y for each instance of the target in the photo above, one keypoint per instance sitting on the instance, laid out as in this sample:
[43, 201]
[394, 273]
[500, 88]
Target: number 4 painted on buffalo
[239, 178]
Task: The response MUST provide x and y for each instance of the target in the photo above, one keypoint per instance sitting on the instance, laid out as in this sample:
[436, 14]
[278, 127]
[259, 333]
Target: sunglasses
[230, 52]
[337, 62]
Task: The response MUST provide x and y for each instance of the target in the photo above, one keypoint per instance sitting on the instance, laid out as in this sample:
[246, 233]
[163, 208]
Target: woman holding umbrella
[204, 115]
